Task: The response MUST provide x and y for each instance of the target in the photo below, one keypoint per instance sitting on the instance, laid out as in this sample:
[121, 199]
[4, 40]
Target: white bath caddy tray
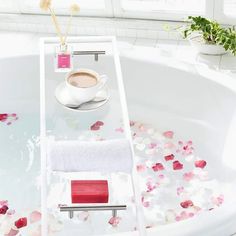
[60, 124]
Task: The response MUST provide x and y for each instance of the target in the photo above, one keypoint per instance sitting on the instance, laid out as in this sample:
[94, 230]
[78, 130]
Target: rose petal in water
[121, 130]
[186, 204]
[3, 117]
[170, 157]
[150, 186]
[145, 203]
[94, 127]
[35, 216]
[218, 200]
[11, 212]
[3, 210]
[12, 232]
[152, 145]
[99, 123]
[158, 167]
[169, 145]
[177, 165]
[168, 134]
[141, 167]
[83, 216]
[184, 215]
[114, 221]
[142, 128]
[180, 190]
[3, 203]
[20, 223]
[200, 163]
[188, 176]
[131, 123]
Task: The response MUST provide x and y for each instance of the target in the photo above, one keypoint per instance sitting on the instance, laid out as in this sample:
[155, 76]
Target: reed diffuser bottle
[63, 59]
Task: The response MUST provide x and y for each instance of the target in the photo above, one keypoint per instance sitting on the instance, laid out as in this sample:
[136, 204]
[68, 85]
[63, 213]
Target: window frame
[106, 12]
[220, 16]
[214, 9]
[159, 15]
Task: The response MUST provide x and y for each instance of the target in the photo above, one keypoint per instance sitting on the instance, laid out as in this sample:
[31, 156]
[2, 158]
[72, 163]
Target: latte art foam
[82, 80]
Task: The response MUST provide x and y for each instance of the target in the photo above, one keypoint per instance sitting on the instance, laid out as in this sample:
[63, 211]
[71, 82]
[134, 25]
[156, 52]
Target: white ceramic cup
[81, 94]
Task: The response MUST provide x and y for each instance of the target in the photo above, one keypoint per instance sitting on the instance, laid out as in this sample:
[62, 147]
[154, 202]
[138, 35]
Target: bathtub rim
[152, 56]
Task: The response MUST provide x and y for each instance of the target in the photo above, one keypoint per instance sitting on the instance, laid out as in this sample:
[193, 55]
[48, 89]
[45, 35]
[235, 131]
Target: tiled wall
[130, 28]
[136, 32]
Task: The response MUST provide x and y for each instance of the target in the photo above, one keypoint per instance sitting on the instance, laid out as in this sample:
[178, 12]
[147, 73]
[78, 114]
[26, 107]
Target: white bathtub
[198, 103]
[194, 101]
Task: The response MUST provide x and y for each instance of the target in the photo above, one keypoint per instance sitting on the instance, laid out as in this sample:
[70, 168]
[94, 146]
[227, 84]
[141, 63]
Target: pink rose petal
[114, 221]
[170, 157]
[99, 123]
[180, 190]
[150, 186]
[12, 232]
[177, 165]
[3, 203]
[188, 176]
[180, 143]
[158, 167]
[3, 117]
[121, 130]
[218, 200]
[168, 134]
[186, 204]
[200, 164]
[35, 216]
[11, 212]
[152, 145]
[141, 168]
[145, 203]
[84, 216]
[183, 215]
[142, 128]
[191, 214]
[161, 176]
[169, 145]
[94, 127]
[3, 210]
[131, 123]
[190, 142]
[8, 118]
[20, 223]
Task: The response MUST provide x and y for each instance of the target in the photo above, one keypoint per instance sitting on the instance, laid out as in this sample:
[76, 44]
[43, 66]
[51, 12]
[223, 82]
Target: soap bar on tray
[89, 191]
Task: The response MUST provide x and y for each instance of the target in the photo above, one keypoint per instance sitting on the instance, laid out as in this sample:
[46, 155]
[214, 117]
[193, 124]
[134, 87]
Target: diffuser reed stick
[73, 10]
[45, 5]
[56, 24]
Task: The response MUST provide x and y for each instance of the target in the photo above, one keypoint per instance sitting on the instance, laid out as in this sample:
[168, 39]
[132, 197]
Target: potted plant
[209, 37]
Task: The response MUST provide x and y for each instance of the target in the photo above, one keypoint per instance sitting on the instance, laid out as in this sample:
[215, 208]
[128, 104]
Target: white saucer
[63, 97]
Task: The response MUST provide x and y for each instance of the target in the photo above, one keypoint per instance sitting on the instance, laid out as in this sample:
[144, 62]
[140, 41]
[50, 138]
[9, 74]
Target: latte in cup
[82, 80]
[84, 84]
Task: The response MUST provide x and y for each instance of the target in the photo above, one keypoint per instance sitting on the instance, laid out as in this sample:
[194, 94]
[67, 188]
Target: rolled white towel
[102, 156]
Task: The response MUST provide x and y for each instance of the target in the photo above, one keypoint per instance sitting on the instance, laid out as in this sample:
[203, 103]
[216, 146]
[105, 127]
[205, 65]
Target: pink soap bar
[64, 61]
[89, 191]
